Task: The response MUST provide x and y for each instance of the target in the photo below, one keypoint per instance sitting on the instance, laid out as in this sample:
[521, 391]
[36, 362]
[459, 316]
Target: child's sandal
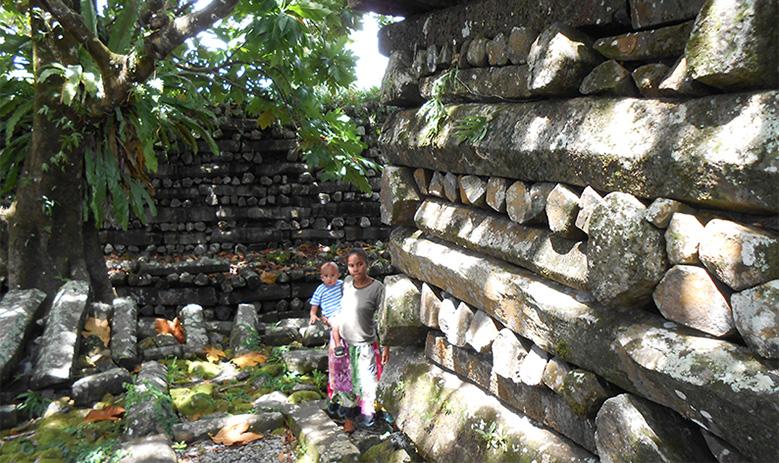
[339, 351]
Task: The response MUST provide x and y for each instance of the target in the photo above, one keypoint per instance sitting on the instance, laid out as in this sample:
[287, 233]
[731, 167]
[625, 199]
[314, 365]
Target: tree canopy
[140, 77]
[92, 93]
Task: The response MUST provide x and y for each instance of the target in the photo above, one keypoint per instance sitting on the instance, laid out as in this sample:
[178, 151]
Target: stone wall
[221, 218]
[585, 201]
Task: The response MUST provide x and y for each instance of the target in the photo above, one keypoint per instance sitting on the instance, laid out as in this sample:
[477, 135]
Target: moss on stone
[303, 396]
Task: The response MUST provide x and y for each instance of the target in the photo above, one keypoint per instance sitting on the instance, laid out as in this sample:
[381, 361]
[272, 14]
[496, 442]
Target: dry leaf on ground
[213, 354]
[249, 359]
[235, 434]
[99, 328]
[170, 327]
[110, 412]
[268, 278]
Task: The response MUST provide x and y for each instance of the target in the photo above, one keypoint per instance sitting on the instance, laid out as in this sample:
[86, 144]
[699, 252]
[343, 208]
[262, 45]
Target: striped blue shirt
[328, 298]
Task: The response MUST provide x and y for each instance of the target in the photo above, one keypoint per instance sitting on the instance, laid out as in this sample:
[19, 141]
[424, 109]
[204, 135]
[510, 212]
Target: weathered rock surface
[451, 187]
[634, 429]
[711, 381]
[124, 333]
[554, 373]
[558, 61]
[682, 238]
[562, 208]
[531, 370]
[661, 211]
[482, 332]
[454, 321]
[585, 392]
[151, 449]
[436, 187]
[325, 441]
[244, 327]
[678, 83]
[497, 50]
[626, 255]
[418, 408]
[399, 196]
[194, 323]
[422, 177]
[539, 403]
[533, 248]
[398, 321]
[429, 307]
[587, 202]
[305, 360]
[496, 193]
[609, 78]
[601, 142]
[17, 313]
[145, 416]
[507, 354]
[656, 44]
[473, 191]
[59, 347]
[526, 203]
[399, 86]
[519, 42]
[735, 45]
[740, 256]
[688, 295]
[645, 13]
[477, 52]
[480, 84]
[91, 389]
[425, 29]
[756, 313]
[649, 77]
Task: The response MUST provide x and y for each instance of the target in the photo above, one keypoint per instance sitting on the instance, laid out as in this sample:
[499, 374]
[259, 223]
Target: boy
[328, 297]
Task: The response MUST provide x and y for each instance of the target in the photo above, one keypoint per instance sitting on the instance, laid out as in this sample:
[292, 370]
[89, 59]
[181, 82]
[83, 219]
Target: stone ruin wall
[255, 196]
[584, 198]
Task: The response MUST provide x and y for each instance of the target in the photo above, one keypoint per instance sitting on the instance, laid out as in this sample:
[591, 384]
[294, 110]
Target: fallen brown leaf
[174, 328]
[99, 328]
[235, 434]
[110, 412]
[213, 354]
[268, 278]
[249, 359]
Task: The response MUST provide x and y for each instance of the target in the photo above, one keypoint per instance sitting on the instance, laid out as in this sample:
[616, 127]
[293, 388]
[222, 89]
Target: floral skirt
[354, 386]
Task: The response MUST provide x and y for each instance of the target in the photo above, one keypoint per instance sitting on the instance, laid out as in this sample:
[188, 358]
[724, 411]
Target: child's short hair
[328, 264]
[359, 251]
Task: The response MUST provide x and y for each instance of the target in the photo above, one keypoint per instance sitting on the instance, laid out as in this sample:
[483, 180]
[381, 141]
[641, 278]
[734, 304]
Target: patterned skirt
[354, 383]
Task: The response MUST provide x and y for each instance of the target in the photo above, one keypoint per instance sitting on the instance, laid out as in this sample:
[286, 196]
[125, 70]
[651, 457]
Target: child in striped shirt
[327, 296]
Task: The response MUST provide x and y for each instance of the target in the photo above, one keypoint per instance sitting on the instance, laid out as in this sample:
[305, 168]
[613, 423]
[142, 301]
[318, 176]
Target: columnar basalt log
[721, 385]
[604, 143]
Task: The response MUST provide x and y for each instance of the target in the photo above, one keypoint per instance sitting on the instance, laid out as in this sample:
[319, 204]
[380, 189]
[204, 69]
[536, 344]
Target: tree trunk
[47, 242]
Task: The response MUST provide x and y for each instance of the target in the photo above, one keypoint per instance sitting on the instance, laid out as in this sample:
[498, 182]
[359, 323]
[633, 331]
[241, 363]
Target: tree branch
[74, 25]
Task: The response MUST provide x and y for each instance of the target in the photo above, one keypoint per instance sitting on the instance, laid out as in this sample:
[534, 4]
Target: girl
[361, 299]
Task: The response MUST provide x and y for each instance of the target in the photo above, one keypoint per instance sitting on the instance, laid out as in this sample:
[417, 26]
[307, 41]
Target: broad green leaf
[121, 33]
[22, 110]
[266, 119]
[89, 14]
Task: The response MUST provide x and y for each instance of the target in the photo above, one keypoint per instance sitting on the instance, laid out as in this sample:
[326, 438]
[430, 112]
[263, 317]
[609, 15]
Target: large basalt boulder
[508, 352]
[633, 429]
[720, 384]
[688, 295]
[398, 317]
[399, 196]
[585, 392]
[735, 45]
[740, 256]
[559, 60]
[646, 13]
[244, 328]
[626, 255]
[399, 86]
[17, 311]
[430, 305]
[656, 44]
[756, 313]
[682, 238]
[609, 78]
[194, 322]
[602, 142]
[60, 341]
[420, 407]
[124, 333]
[478, 85]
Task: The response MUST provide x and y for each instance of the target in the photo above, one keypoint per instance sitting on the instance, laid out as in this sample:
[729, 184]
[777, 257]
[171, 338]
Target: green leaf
[121, 34]
[89, 14]
[24, 109]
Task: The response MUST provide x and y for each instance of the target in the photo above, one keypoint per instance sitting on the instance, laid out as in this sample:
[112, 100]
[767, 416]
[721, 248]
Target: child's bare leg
[336, 334]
